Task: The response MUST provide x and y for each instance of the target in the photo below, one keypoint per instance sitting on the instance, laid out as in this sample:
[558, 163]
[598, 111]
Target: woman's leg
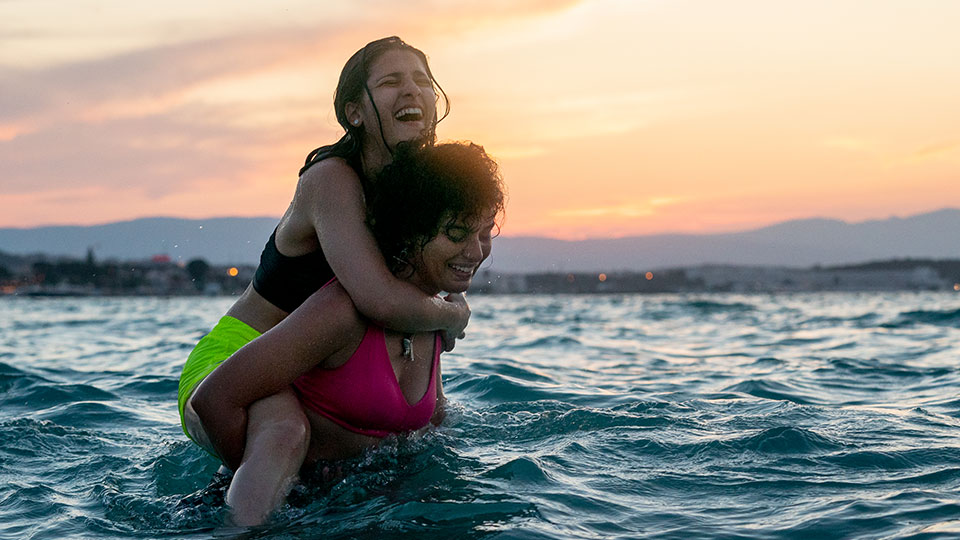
[194, 428]
[278, 434]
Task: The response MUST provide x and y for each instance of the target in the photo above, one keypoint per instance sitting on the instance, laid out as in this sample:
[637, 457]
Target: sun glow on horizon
[608, 117]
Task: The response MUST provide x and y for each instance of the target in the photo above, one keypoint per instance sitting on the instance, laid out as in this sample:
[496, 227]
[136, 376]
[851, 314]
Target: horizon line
[521, 236]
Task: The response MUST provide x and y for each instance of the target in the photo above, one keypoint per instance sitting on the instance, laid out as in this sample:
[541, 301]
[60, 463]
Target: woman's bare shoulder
[326, 187]
[331, 173]
[331, 304]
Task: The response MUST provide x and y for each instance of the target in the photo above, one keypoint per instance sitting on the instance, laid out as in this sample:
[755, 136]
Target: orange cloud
[858, 144]
[936, 150]
[152, 78]
[593, 108]
[618, 211]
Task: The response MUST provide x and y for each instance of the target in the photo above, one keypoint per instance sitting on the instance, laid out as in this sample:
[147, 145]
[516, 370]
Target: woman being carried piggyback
[386, 95]
[432, 212]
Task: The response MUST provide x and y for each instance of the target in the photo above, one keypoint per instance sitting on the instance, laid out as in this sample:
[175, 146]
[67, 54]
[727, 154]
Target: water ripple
[622, 416]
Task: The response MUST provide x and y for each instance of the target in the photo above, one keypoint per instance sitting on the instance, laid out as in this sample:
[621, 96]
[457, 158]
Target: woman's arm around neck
[332, 197]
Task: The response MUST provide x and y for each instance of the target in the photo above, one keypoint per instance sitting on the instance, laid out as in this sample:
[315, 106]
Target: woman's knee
[194, 427]
[294, 428]
[280, 426]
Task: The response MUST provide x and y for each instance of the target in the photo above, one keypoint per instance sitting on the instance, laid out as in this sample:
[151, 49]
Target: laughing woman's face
[405, 99]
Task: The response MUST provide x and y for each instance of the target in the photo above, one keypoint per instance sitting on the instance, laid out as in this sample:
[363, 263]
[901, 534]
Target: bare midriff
[330, 441]
[256, 311]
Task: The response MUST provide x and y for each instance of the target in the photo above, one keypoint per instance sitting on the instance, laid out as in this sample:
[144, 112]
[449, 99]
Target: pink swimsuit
[363, 395]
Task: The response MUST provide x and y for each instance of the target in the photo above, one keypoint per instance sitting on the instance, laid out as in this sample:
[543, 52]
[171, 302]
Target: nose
[410, 87]
[473, 249]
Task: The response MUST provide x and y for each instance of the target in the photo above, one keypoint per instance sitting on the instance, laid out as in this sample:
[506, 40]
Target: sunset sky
[609, 118]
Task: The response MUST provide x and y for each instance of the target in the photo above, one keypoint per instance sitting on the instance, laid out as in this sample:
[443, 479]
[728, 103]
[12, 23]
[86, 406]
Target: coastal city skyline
[609, 118]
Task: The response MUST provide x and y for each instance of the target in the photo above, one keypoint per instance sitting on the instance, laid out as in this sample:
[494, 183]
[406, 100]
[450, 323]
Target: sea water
[657, 416]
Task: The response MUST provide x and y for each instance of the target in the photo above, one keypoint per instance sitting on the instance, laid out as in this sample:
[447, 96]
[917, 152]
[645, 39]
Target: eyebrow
[399, 74]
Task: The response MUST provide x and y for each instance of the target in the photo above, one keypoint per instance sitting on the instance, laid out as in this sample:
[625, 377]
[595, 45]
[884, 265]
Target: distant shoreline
[164, 278]
[796, 244]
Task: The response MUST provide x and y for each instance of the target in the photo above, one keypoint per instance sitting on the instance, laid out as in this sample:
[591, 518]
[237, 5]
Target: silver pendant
[408, 348]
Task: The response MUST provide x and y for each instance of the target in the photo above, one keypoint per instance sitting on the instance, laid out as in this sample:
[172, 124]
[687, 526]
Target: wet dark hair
[426, 190]
[351, 88]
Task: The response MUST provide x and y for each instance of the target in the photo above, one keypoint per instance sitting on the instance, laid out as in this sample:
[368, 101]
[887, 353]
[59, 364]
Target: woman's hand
[454, 332]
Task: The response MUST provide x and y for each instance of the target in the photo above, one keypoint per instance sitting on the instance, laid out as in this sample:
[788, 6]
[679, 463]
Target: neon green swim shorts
[226, 337]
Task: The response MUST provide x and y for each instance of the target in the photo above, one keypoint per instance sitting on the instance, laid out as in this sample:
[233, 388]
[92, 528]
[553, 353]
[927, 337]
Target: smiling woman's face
[404, 97]
[450, 259]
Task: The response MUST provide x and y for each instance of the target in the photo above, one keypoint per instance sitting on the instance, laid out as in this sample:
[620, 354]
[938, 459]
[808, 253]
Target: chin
[411, 132]
[457, 287]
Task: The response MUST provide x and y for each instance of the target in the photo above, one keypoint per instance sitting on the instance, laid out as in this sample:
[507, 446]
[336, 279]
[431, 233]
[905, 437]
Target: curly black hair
[424, 190]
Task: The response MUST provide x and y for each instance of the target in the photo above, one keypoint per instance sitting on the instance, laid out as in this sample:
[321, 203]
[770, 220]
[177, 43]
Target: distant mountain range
[798, 243]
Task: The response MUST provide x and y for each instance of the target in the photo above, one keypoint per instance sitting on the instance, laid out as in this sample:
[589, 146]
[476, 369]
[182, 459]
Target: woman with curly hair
[432, 212]
[386, 96]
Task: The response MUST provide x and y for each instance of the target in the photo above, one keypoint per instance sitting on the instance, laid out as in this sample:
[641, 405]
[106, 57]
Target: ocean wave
[900, 514]
[86, 414]
[524, 471]
[148, 386]
[647, 416]
[28, 391]
[873, 369]
[542, 342]
[32, 438]
[946, 317]
[710, 306]
[863, 320]
[873, 459]
[774, 441]
[788, 440]
[770, 389]
[26, 508]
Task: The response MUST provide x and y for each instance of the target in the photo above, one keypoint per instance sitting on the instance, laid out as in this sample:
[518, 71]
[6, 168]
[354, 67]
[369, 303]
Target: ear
[353, 112]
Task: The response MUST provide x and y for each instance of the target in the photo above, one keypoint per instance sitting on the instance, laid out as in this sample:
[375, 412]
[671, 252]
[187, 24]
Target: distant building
[907, 275]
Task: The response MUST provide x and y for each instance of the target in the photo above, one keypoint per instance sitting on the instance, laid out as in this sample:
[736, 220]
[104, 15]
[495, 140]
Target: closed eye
[422, 80]
[457, 233]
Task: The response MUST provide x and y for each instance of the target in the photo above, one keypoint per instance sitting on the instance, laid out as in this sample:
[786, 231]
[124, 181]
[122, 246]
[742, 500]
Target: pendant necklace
[408, 347]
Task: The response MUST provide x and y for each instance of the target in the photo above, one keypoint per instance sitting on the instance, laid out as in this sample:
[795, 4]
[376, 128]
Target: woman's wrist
[457, 314]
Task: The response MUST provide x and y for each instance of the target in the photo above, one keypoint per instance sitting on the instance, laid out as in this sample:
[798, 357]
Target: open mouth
[409, 114]
[463, 268]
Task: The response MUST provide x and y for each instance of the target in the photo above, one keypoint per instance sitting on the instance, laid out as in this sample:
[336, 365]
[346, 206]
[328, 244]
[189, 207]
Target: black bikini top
[287, 282]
